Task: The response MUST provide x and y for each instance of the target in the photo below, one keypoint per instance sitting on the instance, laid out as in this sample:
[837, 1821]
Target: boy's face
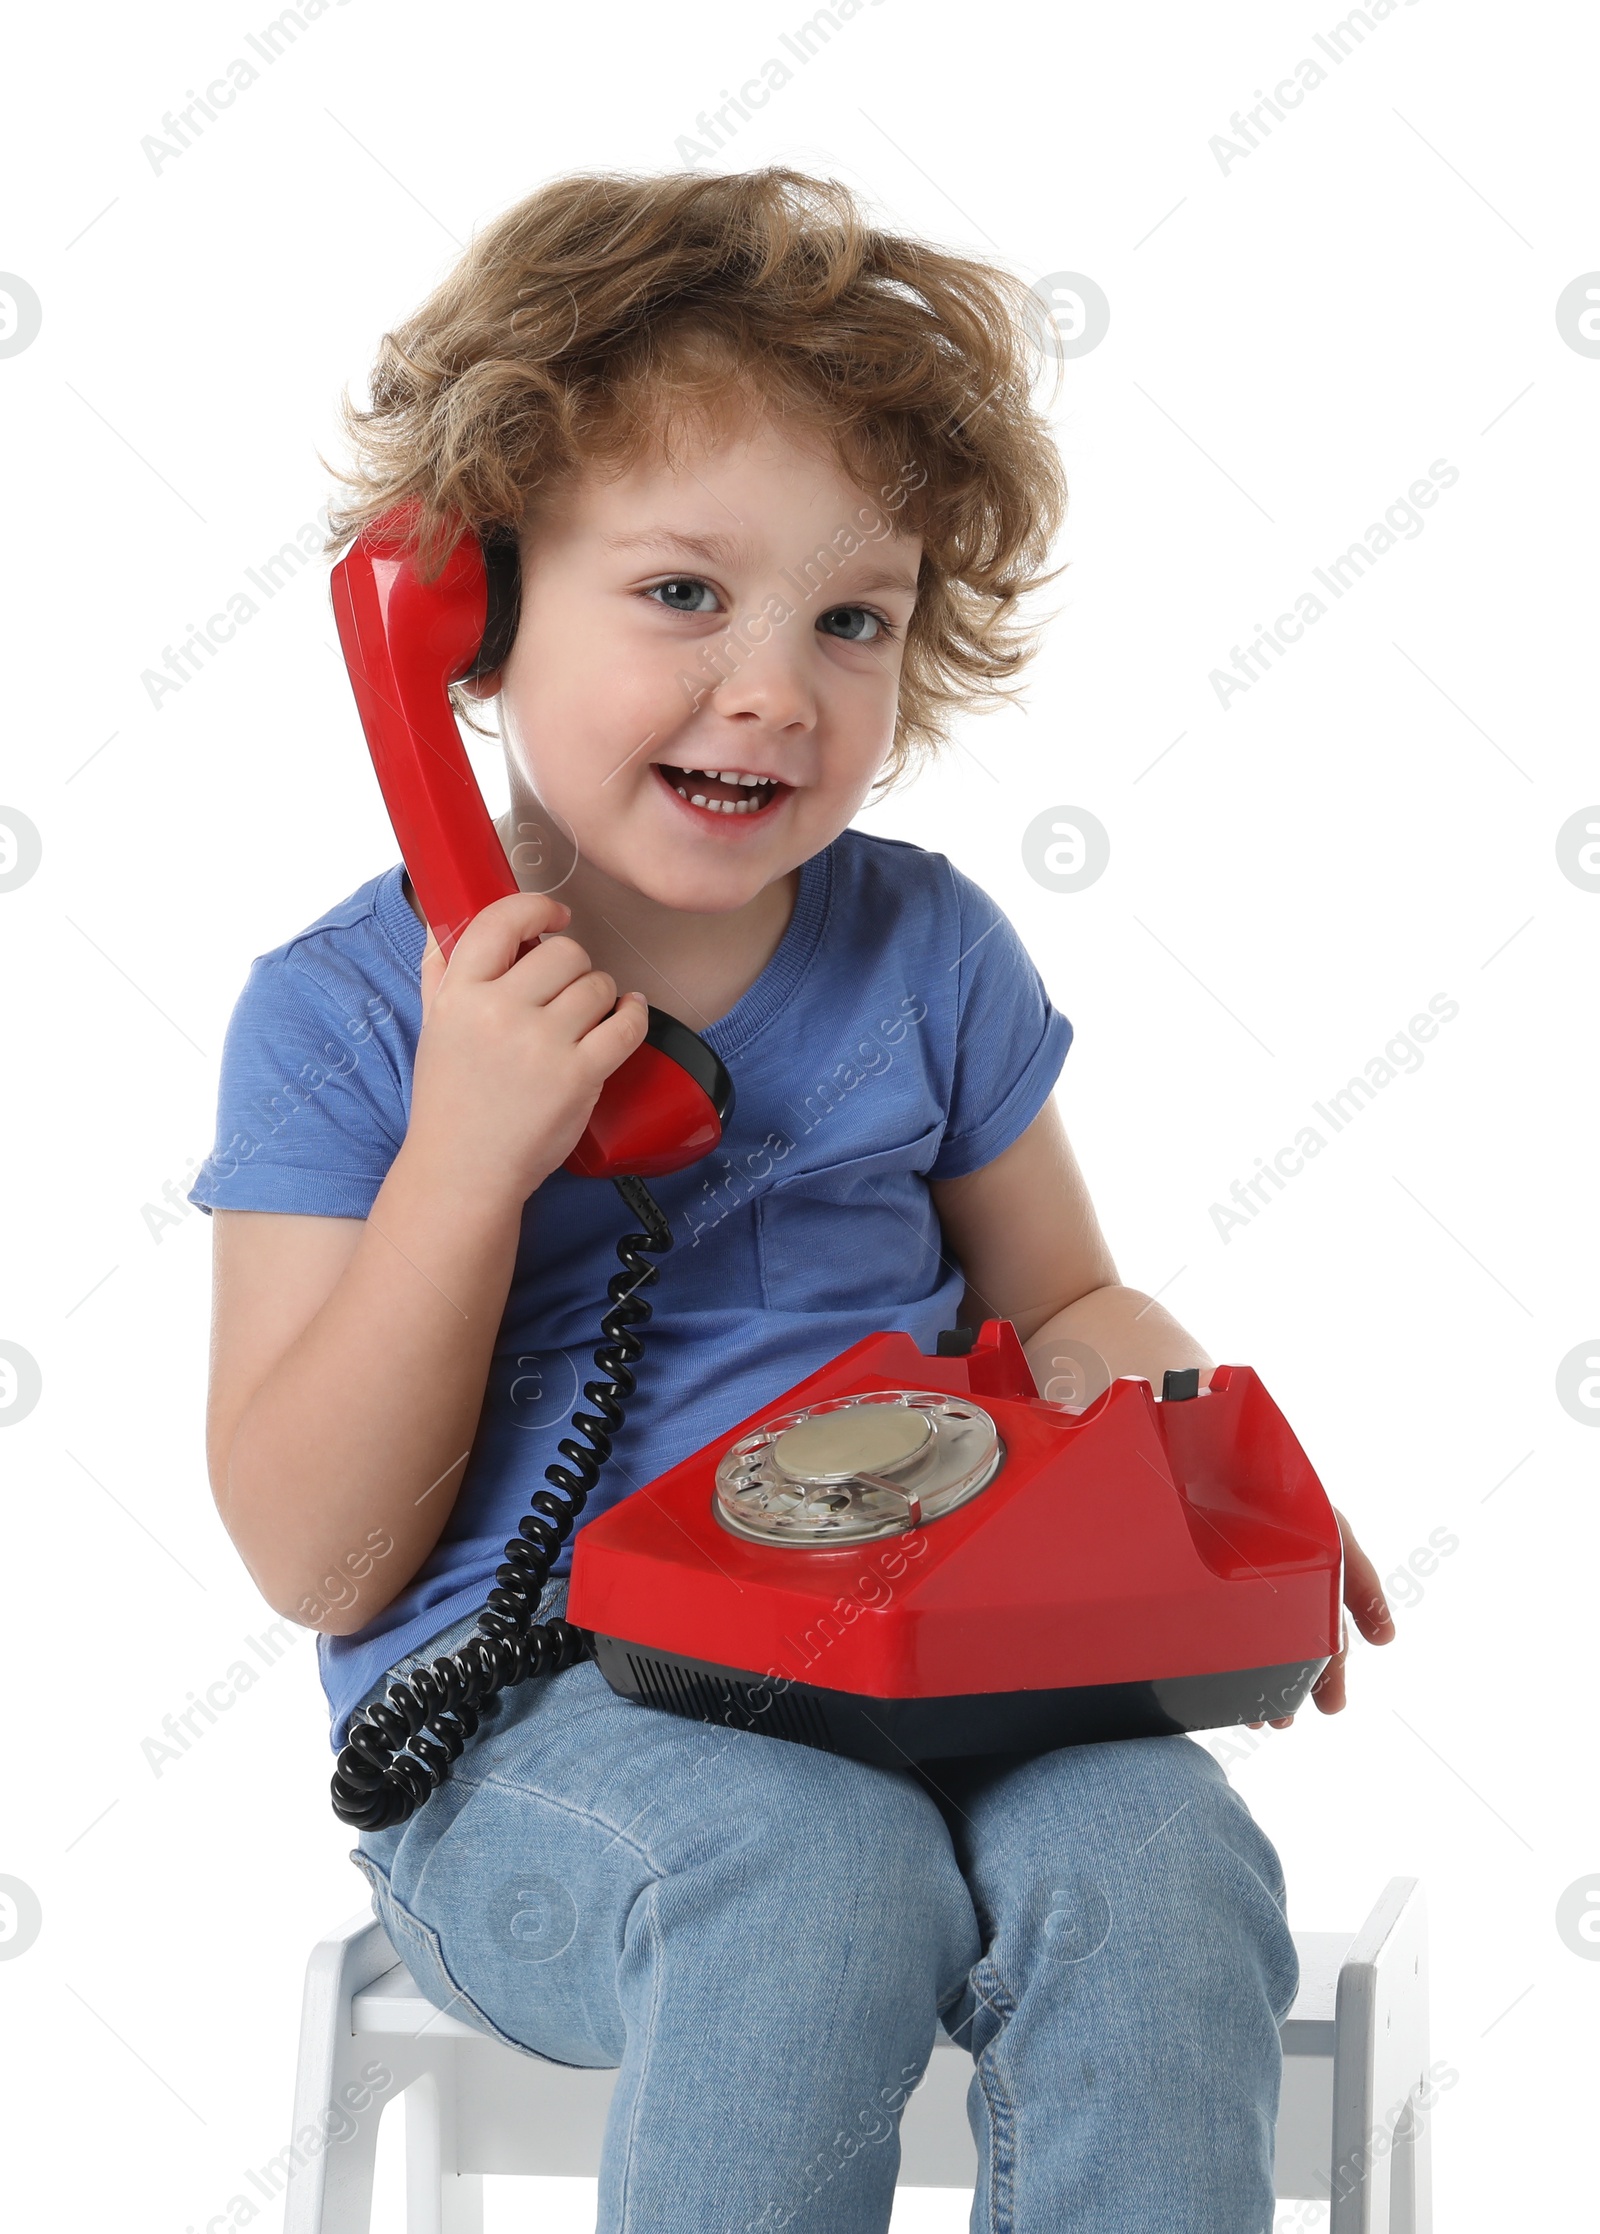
[741, 611]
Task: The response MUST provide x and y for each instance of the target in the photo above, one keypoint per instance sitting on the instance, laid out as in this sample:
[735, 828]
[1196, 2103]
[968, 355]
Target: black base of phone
[892, 1732]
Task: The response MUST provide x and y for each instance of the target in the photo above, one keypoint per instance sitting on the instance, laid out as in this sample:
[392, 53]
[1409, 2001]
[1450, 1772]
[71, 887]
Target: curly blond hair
[608, 313]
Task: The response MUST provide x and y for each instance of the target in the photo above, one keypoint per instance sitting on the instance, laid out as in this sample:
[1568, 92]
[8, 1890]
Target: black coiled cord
[400, 1750]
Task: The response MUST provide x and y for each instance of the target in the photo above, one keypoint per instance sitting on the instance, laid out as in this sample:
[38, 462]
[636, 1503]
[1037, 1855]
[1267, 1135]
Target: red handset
[405, 641]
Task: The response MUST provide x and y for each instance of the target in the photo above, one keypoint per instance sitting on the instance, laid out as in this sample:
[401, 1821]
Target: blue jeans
[760, 1937]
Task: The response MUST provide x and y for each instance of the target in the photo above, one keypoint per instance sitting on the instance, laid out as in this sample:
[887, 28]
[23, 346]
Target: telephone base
[893, 1732]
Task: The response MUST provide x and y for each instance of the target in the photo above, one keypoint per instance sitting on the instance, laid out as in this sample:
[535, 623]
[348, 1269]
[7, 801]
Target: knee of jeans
[1178, 1887]
[1212, 1869]
[1172, 1784]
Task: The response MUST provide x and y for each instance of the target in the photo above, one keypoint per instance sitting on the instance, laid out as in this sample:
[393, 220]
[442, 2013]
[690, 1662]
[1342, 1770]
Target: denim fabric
[760, 1937]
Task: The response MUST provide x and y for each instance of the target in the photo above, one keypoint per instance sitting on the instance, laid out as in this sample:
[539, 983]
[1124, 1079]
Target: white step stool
[1355, 2078]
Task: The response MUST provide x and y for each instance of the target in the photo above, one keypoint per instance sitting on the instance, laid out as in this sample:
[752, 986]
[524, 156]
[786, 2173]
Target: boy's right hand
[515, 1046]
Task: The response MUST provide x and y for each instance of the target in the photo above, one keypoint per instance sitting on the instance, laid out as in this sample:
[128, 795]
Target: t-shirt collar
[750, 1014]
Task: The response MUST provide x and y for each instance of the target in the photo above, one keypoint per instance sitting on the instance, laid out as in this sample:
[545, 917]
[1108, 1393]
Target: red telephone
[404, 642]
[828, 1571]
[905, 1556]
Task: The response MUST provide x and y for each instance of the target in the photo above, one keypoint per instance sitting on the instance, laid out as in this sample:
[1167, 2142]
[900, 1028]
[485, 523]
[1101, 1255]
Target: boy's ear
[484, 686]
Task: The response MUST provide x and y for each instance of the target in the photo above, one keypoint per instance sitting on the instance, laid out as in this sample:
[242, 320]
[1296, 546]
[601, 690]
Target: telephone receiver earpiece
[405, 641]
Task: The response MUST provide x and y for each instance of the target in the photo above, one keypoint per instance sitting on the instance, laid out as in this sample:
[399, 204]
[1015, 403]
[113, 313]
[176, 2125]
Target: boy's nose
[765, 678]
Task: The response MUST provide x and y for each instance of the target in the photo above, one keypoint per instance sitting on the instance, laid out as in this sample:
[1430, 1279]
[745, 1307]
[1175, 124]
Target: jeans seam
[998, 2103]
[657, 1969]
[619, 1832]
[432, 1943]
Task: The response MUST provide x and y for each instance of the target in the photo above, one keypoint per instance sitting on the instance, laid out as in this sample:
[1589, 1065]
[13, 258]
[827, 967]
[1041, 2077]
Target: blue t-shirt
[900, 1033]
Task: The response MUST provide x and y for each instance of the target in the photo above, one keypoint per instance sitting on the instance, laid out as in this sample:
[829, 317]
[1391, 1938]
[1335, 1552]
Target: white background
[1292, 342]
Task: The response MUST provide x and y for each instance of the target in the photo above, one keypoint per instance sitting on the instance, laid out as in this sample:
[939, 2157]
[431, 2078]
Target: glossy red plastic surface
[662, 1122]
[1130, 1543]
[404, 642]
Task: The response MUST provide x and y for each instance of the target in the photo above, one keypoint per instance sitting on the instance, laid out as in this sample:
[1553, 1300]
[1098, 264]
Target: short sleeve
[1010, 1040]
[310, 1114]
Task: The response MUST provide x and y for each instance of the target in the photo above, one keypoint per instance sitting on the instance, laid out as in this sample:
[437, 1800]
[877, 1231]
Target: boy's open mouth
[722, 792]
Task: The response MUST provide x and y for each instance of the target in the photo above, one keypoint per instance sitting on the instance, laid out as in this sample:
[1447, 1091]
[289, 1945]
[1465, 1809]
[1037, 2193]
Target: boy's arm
[1024, 1232]
[350, 1355]
[349, 1359]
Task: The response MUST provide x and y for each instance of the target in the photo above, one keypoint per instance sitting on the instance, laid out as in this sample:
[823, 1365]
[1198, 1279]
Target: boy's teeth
[753, 784]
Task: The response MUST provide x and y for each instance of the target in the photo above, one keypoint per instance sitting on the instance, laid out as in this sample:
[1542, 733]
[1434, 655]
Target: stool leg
[1422, 2175]
[439, 2199]
[423, 2169]
[337, 2197]
[1411, 2173]
[461, 2209]
[463, 2204]
[340, 2088]
[1380, 2157]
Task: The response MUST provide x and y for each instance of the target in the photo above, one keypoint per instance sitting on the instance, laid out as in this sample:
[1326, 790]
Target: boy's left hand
[1363, 1594]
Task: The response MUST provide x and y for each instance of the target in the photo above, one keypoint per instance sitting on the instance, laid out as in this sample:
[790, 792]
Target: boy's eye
[852, 624]
[860, 625]
[684, 586]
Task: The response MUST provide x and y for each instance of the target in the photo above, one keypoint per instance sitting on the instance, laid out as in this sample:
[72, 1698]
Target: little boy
[778, 486]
